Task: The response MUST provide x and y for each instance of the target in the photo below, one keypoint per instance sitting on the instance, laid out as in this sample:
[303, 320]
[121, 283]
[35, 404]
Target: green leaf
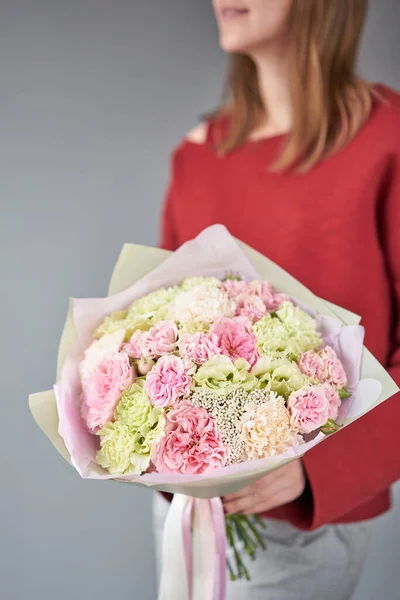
[233, 277]
[330, 427]
[343, 394]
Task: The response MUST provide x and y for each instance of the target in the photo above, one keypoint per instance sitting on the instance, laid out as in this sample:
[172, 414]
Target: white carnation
[203, 303]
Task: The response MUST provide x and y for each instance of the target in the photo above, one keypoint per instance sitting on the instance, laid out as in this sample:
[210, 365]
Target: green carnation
[154, 306]
[194, 326]
[221, 375]
[143, 419]
[302, 326]
[279, 375]
[118, 451]
[274, 338]
[193, 282]
[126, 444]
[111, 324]
[287, 333]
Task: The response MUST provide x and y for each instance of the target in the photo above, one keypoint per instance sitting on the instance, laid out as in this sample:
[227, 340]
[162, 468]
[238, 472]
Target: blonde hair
[330, 102]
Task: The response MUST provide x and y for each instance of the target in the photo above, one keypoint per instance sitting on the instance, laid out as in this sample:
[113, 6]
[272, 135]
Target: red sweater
[337, 230]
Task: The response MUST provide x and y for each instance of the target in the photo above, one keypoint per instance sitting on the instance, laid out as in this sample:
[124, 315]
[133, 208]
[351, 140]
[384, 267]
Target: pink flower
[198, 347]
[103, 388]
[169, 380]
[233, 288]
[323, 367]
[312, 365]
[191, 443]
[272, 300]
[132, 348]
[236, 339]
[309, 408]
[334, 401]
[334, 372]
[251, 306]
[160, 340]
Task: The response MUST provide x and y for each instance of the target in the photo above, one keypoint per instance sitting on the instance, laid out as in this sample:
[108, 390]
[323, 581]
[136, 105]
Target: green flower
[302, 326]
[118, 451]
[194, 327]
[193, 282]
[273, 337]
[142, 314]
[288, 333]
[143, 419]
[126, 444]
[111, 324]
[154, 306]
[221, 375]
[279, 375]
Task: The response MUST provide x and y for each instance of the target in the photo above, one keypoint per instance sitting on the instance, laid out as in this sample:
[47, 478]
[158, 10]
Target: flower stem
[245, 529]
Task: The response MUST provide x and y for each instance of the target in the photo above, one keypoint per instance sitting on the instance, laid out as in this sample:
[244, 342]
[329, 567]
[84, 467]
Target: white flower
[203, 303]
[266, 429]
[108, 344]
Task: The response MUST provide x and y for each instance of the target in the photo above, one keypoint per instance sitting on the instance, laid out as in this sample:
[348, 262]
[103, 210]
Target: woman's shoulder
[208, 132]
[388, 107]
[198, 145]
[388, 94]
[197, 135]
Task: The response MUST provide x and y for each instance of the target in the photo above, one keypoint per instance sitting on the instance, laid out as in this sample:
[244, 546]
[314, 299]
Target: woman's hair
[330, 102]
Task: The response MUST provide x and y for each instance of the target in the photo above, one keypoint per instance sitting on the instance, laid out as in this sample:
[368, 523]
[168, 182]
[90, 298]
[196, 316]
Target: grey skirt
[325, 564]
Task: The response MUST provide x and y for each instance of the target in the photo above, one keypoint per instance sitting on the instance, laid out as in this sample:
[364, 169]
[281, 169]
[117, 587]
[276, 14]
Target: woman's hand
[275, 489]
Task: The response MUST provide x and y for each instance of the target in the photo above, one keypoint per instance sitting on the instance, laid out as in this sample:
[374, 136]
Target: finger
[265, 506]
[249, 503]
[240, 494]
[267, 481]
[279, 499]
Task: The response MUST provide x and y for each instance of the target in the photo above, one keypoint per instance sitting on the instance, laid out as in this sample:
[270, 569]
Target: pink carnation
[132, 348]
[250, 306]
[169, 380]
[160, 340]
[191, 443]
[324, 367]
[309, 408]
[334, 372]
[199, 347]
[233, 288]
[312, 365]
[236, 339]
[103, 388]
[334, 401]
[272, 300]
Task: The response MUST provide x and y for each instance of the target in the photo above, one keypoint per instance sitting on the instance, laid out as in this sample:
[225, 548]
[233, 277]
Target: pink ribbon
[211, 524]
[187, 543]
[218, 517]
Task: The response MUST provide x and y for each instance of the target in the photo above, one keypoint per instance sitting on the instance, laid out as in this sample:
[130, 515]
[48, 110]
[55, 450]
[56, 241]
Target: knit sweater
[336, 229]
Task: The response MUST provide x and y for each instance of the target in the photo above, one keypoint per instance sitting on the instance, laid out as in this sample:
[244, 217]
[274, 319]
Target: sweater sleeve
[168, 233]
[168, 238]
[363, 460]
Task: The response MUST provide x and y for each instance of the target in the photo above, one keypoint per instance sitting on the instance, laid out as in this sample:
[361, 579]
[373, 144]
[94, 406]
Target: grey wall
[93, 95]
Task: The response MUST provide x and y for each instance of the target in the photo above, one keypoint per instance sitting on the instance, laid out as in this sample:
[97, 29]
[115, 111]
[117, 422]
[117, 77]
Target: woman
[303, 163]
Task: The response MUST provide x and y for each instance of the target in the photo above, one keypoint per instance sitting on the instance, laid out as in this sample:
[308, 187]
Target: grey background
[93, 96]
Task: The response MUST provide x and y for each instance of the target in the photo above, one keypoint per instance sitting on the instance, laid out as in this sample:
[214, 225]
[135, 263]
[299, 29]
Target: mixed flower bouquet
[206, 374]
[198, 377]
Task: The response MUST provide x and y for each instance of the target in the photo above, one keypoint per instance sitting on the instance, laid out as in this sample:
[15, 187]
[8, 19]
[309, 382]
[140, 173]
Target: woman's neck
[273, 79]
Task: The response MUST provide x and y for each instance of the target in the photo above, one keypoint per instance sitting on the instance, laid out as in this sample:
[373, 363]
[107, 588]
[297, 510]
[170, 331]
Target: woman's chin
[233, 46]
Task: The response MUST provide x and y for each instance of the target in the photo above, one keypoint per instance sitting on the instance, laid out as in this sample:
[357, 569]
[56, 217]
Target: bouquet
[213, 368]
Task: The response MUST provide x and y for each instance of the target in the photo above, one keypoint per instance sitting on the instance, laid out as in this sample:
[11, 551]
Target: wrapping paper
[141, 270]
